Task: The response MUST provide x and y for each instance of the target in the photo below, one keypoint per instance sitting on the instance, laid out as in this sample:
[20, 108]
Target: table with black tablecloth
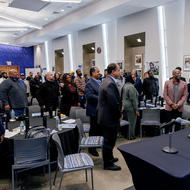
[69, 139]
[152, 169]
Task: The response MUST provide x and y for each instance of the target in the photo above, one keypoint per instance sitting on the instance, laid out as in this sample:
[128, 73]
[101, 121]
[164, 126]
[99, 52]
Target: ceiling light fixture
[20, 22]
[7, 29]
[63, 1]
[92, 48]
[139, 40]
[46, 19]
[62, 10]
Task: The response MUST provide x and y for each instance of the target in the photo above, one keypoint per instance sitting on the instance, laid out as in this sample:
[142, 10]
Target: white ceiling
[29, 22]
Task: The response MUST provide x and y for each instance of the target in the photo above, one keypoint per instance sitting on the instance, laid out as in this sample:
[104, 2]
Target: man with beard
[48, 94]
[175, 94]
[150, 86]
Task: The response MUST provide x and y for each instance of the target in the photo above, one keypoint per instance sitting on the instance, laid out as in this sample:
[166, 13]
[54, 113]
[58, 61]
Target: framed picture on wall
[186, 63]
[138, 60]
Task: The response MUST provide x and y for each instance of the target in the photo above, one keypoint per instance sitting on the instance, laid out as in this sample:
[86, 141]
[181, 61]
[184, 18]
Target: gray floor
[103, 180]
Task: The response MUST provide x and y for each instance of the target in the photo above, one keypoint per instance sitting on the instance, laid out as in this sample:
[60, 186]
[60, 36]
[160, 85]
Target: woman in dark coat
[69, 95]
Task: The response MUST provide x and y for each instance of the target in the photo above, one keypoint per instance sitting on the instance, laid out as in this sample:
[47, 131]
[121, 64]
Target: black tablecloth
[152, 169]
[69, 139]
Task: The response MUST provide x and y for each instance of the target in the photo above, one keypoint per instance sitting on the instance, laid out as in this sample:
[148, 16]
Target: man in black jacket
[150, 86]
[48, 94]
[109, 114]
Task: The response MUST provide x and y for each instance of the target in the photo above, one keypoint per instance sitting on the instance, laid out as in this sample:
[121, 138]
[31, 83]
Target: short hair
[105, 70]
[111, 67]
[149, 71]
[129, 78]
[77, 70]
[178, 68]
[92, 69]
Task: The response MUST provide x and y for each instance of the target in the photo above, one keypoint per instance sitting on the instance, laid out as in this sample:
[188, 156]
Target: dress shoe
[113, 168]
[94, 153]
[114, 160]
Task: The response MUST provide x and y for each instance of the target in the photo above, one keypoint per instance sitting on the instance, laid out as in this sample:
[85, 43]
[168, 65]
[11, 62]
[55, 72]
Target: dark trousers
[110, 136]
[173, 115]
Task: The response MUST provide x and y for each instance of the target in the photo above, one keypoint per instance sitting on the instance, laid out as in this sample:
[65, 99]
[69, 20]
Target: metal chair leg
[86, 174]
[49, 168]
[55, 175]
[92, 178]
[13, 185]
[60, 181]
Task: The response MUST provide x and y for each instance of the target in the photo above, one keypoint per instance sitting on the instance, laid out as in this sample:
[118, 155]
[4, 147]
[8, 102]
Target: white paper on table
[9, 134]
[69, 121]
[68, 125]
[36, 114]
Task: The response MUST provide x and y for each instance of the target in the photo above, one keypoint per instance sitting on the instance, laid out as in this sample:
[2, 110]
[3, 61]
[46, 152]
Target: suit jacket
[91, 92]
[109, 103]
[169, 94]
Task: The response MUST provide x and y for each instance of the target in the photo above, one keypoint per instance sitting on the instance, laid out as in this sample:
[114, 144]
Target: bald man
[48, 94]
[175, 95]
[13, 93]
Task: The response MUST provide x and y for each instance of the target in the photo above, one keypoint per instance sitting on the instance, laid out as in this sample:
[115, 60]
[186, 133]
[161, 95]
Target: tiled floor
[103, 180]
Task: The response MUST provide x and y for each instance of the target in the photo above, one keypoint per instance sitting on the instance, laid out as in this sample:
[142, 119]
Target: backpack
[37, 132]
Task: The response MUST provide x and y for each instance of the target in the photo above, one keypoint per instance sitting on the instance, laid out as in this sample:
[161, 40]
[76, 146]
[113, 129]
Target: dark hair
[178, 68]
[111, 67]
[149, 71]
[105, 70]
[65, 79]
[92, 69]
[129, 78]
[77, 70]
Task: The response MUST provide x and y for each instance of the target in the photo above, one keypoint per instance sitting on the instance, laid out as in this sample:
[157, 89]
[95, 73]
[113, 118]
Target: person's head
[31, 74]
[105, 72]
[121, 73]
[39, 74]
[49, 76]
[151, 65]
[13, 73]
[179, 68]
[72, 73]
[114, 70]
[85, 76]
[78, 72]
[145, 75]
[36, 77]
[22, 76]
[176, 75]
[67, 79]
[129, 79]
[95, 72]
[4, 75]
[150, 74]
[56, 76]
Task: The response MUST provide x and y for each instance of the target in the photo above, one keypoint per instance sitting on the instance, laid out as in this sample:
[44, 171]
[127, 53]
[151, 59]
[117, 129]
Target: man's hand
[7, 107]
[174, 106]
[1, 138]
[78, 104]
[138, 113]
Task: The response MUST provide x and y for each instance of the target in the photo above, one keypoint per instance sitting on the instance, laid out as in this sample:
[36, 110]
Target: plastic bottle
[22, 128]
[12, 115]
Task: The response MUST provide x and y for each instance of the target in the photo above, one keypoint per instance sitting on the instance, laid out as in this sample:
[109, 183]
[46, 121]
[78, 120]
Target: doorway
[134, 48]
[59, 61]
[88, 57]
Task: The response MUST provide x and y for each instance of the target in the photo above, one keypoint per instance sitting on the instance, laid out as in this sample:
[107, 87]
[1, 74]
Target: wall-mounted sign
[99, 50]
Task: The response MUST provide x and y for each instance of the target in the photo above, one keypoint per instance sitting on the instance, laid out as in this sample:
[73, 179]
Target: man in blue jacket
[91, 92]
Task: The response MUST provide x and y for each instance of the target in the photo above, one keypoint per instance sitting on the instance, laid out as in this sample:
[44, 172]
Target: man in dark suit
[109, 114]
[91, 92]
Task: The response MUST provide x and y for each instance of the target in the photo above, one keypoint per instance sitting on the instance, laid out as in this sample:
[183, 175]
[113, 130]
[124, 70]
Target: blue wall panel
[21, 56]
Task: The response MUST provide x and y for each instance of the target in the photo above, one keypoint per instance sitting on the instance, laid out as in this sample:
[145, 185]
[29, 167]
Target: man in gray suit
[109, 114]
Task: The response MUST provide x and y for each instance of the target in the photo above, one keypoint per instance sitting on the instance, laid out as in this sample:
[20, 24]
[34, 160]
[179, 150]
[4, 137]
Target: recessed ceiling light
[62, 10]
[46, 19]
[63, 1]
[92, 48]
[139, 40]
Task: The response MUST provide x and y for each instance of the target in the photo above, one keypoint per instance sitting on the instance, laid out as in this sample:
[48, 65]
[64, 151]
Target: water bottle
[22, 128]
[57, 122]
[12, 115]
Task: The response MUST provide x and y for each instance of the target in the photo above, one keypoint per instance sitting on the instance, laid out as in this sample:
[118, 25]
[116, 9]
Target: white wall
[39, 56]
